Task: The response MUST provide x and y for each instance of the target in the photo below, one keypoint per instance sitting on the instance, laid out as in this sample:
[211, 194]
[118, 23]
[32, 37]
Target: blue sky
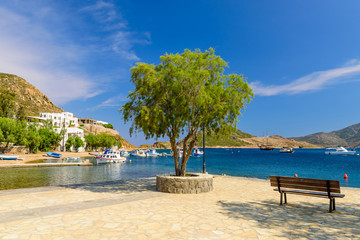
[302, 58]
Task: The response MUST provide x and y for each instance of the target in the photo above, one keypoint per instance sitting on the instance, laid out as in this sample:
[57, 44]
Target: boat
[138, 153]
[55, 155]
[125, 153]
[152, 153]
[286, 150]
[180, 153]
[198, 152]
[109, 156]
[9, 157]
[266, 146]
[339, 151]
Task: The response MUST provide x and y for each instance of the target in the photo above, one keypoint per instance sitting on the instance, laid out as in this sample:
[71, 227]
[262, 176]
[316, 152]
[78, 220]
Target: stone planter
[192, 183]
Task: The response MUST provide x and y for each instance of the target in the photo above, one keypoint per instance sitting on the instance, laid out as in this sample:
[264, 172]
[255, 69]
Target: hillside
[245, 140]
[349, 136]
[26, 95]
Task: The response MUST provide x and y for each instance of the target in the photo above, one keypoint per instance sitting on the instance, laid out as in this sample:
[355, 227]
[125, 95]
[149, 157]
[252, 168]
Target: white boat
[139, 153]
[125, 153]
[339, 151]
[8, 157]
[198, 152]
[286, 150]
[180, 153]
[152, 153]
[110, 156]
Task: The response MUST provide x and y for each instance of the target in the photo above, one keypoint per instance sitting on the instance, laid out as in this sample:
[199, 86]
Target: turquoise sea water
[310, 163]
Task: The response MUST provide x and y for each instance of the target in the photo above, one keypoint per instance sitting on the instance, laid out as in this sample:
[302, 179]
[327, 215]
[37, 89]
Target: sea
[241, 162]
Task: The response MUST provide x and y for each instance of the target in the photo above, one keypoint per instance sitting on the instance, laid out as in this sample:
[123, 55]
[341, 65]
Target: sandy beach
[42, 155]
[237, 208]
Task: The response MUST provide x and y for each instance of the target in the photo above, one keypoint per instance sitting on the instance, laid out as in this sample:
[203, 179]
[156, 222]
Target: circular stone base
[192, 183]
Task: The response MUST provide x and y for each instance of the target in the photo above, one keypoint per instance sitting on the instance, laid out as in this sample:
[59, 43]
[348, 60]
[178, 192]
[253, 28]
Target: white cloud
[31, 51]
[111, 102]
[314, 81]
[122, 40]
[38, 43]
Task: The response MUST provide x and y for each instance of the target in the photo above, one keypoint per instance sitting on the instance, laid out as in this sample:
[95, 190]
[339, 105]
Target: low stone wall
[196, 183]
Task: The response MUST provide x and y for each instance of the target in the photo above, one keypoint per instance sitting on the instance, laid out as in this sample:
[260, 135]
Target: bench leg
[331, 205]
[334, 204]
[281, 198]
[285, 198]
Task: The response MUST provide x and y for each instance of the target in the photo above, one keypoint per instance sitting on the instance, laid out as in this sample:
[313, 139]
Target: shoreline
[40, 156]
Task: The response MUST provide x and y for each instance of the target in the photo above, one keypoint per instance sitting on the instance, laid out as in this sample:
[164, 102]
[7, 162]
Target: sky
[301, 57]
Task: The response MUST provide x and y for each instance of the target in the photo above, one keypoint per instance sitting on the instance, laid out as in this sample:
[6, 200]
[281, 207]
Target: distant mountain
[245, 140]
[27, 96]
[349, 136]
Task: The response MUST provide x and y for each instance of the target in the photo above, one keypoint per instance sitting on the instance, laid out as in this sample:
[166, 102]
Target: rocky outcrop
[162, 145]
[27, 96]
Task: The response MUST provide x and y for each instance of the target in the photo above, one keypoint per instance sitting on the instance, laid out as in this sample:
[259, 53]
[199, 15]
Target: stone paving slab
[237, 208]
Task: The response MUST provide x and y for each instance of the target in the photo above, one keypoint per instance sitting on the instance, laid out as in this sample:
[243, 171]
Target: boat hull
[101, 160]
[55, 155]
[9, 157]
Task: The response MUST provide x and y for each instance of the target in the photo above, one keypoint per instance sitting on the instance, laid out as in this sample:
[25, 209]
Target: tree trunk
[176, 156]
[186, 155]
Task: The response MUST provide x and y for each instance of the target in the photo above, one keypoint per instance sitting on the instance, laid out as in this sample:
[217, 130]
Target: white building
[66, 121]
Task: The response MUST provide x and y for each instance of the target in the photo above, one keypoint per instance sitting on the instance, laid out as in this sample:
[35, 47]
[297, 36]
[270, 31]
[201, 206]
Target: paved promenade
[238, 208]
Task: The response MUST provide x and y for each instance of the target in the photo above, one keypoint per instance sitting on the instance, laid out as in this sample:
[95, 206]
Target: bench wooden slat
[314, 180]
[334, 184]
[315, 194]
[312, 188]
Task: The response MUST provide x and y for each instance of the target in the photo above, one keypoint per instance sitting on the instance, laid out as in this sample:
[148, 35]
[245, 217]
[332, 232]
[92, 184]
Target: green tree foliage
[7, 103]
[91, 142]
[69, 143]
[105, 140]
[108, 125]
[33, 138]
[182, 94]
[11, 131]
[78, 142]
[102, 140]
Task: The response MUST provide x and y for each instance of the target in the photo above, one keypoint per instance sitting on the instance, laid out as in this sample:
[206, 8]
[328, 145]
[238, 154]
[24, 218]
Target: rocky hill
[244, 140]
[349, 136]
[26, 95]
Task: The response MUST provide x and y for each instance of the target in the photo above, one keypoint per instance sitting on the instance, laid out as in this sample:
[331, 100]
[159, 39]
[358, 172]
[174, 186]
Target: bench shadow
[300, 220]
[120, 186]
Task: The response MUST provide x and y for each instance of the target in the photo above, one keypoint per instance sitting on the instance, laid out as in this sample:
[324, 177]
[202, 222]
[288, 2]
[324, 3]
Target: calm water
[310, 163]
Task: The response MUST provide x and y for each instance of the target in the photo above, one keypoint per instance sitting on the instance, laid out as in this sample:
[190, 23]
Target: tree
[182, 94]
[69, 143]
[108, 125]
[7, 103]
[78, 142]
[91, 142]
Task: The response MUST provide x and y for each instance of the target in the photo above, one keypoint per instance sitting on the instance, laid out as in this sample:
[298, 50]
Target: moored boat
[152, 153]
[266, 147]
[138, 153]
[8, 157]
[198, 152]
[109, 156]
[286, 150]
[339, 151]
[55, 155]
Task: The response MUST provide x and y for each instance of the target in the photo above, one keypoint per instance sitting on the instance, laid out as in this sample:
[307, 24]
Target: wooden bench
[306, 186]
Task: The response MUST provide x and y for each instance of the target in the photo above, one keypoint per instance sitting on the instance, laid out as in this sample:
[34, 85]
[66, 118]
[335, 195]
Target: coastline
[40, 156]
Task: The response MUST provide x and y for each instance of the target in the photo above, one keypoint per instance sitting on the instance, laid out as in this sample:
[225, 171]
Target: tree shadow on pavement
[120, 186]
[299, 220]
